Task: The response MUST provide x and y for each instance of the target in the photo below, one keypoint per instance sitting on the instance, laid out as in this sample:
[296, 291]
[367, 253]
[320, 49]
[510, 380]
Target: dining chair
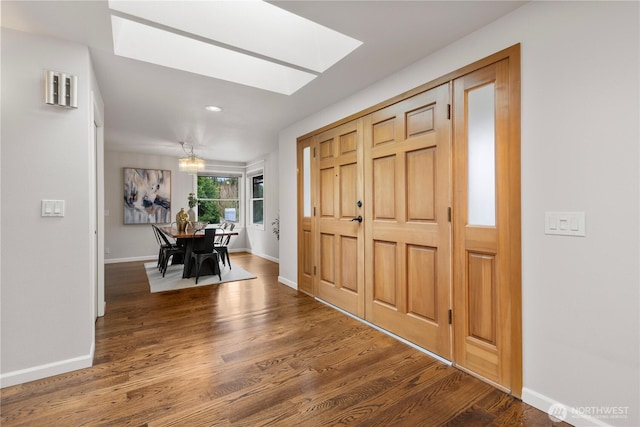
[203, 250]
[161, 245]
[168, 250]
[222, 246]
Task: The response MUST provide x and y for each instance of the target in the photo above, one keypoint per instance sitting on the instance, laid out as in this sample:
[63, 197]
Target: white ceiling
[149, 108]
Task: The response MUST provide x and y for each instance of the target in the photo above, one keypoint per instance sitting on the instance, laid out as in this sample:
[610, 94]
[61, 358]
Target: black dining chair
[168, 250]
[203, 250]
[156, 232]
[162, 244]
[222, 246]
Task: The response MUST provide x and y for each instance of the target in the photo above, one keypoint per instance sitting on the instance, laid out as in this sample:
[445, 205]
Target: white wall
[580, 133]
[47, 278]
[97, 216]
[262, 241]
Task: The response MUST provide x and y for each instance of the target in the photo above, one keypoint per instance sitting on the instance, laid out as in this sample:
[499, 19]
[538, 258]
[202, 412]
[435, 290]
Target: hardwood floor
[251, 353]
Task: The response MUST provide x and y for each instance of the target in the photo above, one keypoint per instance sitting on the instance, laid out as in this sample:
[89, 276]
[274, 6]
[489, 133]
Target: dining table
[187, 239]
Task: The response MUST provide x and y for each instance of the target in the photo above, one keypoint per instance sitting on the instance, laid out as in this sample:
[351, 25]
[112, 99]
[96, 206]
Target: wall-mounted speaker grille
[61, 89]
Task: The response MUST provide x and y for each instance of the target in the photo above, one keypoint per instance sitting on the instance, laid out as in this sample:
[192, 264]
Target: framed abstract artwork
[147, 196]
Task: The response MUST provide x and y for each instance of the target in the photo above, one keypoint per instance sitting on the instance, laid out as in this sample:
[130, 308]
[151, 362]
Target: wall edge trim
[288, 282]
[47, 370]
[544, 403]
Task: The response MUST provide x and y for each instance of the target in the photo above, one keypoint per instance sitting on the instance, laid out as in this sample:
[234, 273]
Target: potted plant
[193, 202]
[276, 227]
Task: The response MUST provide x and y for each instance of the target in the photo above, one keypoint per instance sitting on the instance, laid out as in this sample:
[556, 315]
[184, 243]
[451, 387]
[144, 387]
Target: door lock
[358, 218]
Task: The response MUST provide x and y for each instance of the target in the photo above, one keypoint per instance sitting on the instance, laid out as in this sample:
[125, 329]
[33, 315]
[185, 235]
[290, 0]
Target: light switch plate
[52, 207]
[565, 223]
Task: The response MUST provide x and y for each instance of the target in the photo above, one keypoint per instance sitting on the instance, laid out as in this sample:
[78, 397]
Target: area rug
[173, 280]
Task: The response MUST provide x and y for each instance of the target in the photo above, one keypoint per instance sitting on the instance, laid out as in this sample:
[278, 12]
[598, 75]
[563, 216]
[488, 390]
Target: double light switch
[53, 208]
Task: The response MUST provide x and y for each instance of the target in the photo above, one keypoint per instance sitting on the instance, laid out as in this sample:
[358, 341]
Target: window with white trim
[256, 202]
[218, 199]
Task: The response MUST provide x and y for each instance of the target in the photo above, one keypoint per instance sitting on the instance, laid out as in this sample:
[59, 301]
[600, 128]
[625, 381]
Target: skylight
[144, 43]
[248, 42]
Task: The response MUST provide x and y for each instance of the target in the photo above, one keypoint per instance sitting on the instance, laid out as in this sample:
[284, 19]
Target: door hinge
[314, 152]
[450, 316]
[449, 213]
[314, 270]
[314, 211]
[449, 111]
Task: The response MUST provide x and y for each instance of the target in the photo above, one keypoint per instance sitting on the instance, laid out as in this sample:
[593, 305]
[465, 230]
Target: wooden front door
[486, 221]
[436, 259]
[407, 230]
[339, 238]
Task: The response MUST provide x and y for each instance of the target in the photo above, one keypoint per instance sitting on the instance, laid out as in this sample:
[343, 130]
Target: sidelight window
[256, 202]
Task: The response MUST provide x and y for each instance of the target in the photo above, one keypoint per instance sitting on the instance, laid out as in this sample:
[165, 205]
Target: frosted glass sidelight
[481, 158]
[306, 178]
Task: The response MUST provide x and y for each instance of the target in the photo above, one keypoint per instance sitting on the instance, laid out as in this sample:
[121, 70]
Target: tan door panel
[407, 232]
[339, 239]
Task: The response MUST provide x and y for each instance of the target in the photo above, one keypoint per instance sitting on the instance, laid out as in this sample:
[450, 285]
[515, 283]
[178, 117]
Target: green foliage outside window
[258, 216]
[217, 197]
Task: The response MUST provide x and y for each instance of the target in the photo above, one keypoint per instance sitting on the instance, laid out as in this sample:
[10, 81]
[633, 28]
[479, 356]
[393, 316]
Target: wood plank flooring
[251, 353]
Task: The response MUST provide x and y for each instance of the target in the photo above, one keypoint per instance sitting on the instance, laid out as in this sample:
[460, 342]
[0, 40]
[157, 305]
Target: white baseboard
[48, 370]
[288, 282]
[235, 250]
[574, 416]
[267, 257]
[249, 251]
[102, 306]
[131, 259]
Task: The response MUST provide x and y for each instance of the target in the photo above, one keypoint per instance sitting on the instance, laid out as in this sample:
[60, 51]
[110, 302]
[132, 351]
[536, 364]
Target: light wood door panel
[408, 235]
[306, 180]
[340, 262]
[485, 244]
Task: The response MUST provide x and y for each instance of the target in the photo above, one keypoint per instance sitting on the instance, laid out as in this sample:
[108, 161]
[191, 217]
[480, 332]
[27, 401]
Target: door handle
[358, 218]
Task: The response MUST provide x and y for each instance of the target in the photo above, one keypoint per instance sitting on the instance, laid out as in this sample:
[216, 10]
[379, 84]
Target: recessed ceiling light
[212, 108]
[149, 44]
[254, 26]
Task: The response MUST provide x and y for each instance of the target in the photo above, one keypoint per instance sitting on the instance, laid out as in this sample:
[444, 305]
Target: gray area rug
[173, 280]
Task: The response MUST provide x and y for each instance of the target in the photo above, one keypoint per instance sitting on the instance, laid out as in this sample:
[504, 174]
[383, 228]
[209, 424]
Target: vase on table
[182, 218]
[192, 215]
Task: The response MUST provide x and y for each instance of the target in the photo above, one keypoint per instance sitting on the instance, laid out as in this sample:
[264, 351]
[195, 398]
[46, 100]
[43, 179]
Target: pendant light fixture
[191, 163]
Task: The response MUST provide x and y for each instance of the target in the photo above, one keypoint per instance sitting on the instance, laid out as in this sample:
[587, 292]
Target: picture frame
[147, 196]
